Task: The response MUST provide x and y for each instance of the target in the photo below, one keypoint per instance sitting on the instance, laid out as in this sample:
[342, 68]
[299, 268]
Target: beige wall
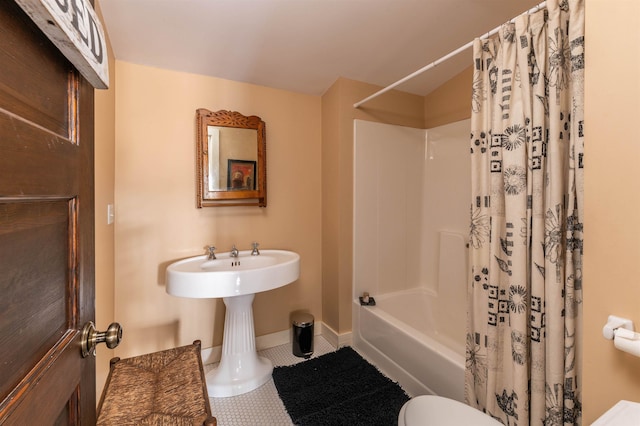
[337, 183]
[157, 221]
[104, 186]
[450, 102]
[612, 199]
[331, 203]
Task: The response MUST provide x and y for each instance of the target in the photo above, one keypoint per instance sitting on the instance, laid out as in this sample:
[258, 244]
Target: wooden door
[46, 229]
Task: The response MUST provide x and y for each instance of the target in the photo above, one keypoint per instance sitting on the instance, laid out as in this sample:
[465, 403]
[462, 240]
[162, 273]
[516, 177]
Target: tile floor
[262, 406]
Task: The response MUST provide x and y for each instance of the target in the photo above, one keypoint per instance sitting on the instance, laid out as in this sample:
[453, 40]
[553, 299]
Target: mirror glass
[233, 155]
[230, 159]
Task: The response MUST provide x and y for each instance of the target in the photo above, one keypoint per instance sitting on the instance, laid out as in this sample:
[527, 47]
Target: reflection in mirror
[230, 159]
[214, 157]
[232, 147]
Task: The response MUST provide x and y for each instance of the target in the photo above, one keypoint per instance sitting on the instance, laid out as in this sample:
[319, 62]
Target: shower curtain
[525, 295]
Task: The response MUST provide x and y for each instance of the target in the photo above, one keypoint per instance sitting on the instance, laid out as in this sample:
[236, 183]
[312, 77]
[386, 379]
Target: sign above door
[74, 27]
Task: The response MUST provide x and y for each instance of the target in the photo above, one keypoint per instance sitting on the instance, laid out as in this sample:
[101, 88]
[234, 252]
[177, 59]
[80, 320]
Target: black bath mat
[339, 388]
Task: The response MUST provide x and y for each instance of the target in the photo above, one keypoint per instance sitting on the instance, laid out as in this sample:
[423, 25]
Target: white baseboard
[212, 355]
[335, 339]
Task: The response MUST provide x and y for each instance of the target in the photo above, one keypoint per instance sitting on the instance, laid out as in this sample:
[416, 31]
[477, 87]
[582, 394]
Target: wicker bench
[162, 388]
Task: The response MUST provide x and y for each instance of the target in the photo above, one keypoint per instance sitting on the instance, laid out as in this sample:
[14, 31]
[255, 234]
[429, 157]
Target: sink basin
[235, 280]
[227, 276]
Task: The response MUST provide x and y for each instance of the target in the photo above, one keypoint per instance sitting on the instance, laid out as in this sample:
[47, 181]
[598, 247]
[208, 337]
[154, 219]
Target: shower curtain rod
[444, 58]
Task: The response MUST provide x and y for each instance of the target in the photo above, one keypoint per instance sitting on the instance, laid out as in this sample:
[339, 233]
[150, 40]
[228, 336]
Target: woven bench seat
[162, 388]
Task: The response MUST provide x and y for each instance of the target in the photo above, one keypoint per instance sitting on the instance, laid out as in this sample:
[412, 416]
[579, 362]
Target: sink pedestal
[241, 369]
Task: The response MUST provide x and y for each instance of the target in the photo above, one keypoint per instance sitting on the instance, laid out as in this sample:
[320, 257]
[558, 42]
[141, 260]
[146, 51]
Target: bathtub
[403, 336]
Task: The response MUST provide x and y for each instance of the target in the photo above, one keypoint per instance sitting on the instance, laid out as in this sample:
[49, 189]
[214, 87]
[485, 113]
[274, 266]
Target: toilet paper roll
[627, 341]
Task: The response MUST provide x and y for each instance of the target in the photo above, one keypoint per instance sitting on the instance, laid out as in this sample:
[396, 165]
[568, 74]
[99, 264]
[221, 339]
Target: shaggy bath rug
[339, 388]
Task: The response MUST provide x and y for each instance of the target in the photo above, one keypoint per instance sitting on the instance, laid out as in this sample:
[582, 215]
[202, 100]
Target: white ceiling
[304, 45]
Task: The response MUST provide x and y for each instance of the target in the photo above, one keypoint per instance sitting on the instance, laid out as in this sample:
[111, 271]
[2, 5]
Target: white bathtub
[404, 337]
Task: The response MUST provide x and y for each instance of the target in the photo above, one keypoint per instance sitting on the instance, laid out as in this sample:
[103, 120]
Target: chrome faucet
[211, 254]
[234, 251]
[255, 251]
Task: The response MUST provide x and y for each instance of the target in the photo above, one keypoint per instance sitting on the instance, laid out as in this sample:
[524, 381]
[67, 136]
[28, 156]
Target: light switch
[110, 214]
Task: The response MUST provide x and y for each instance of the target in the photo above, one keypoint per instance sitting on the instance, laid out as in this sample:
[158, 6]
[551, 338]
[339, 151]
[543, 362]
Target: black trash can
[302, 341]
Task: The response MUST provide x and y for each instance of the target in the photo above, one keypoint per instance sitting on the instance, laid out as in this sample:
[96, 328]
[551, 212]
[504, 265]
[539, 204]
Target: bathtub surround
[525, 297]
[410, 223]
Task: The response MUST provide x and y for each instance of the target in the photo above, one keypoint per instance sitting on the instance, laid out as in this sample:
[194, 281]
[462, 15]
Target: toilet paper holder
[620, 330]
[614, 323]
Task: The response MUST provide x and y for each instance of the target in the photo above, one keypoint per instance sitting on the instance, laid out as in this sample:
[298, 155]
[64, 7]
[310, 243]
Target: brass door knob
[91, 337]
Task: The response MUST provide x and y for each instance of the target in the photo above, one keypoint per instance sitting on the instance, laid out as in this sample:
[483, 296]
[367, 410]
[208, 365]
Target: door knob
[91, 337]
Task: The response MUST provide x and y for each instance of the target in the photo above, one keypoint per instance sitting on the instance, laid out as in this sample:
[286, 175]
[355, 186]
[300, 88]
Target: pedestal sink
[235, 280]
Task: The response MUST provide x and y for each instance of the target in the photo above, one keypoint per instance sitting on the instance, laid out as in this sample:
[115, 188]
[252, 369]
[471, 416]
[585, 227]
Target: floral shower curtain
[525, 295]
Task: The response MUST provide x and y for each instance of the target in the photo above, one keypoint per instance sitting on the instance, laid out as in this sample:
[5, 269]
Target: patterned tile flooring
[262, 406]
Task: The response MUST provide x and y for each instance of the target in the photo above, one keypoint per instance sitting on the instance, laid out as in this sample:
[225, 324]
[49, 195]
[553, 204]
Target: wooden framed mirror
[231, 159]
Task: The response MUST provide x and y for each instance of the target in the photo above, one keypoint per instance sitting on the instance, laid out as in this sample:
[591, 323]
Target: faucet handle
[255, 251]
[211, 249]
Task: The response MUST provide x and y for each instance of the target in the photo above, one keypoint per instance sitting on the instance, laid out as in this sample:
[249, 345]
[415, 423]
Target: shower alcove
[411, 214]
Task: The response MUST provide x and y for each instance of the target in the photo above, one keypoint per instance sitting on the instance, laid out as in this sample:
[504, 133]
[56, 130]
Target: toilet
[432, 410]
